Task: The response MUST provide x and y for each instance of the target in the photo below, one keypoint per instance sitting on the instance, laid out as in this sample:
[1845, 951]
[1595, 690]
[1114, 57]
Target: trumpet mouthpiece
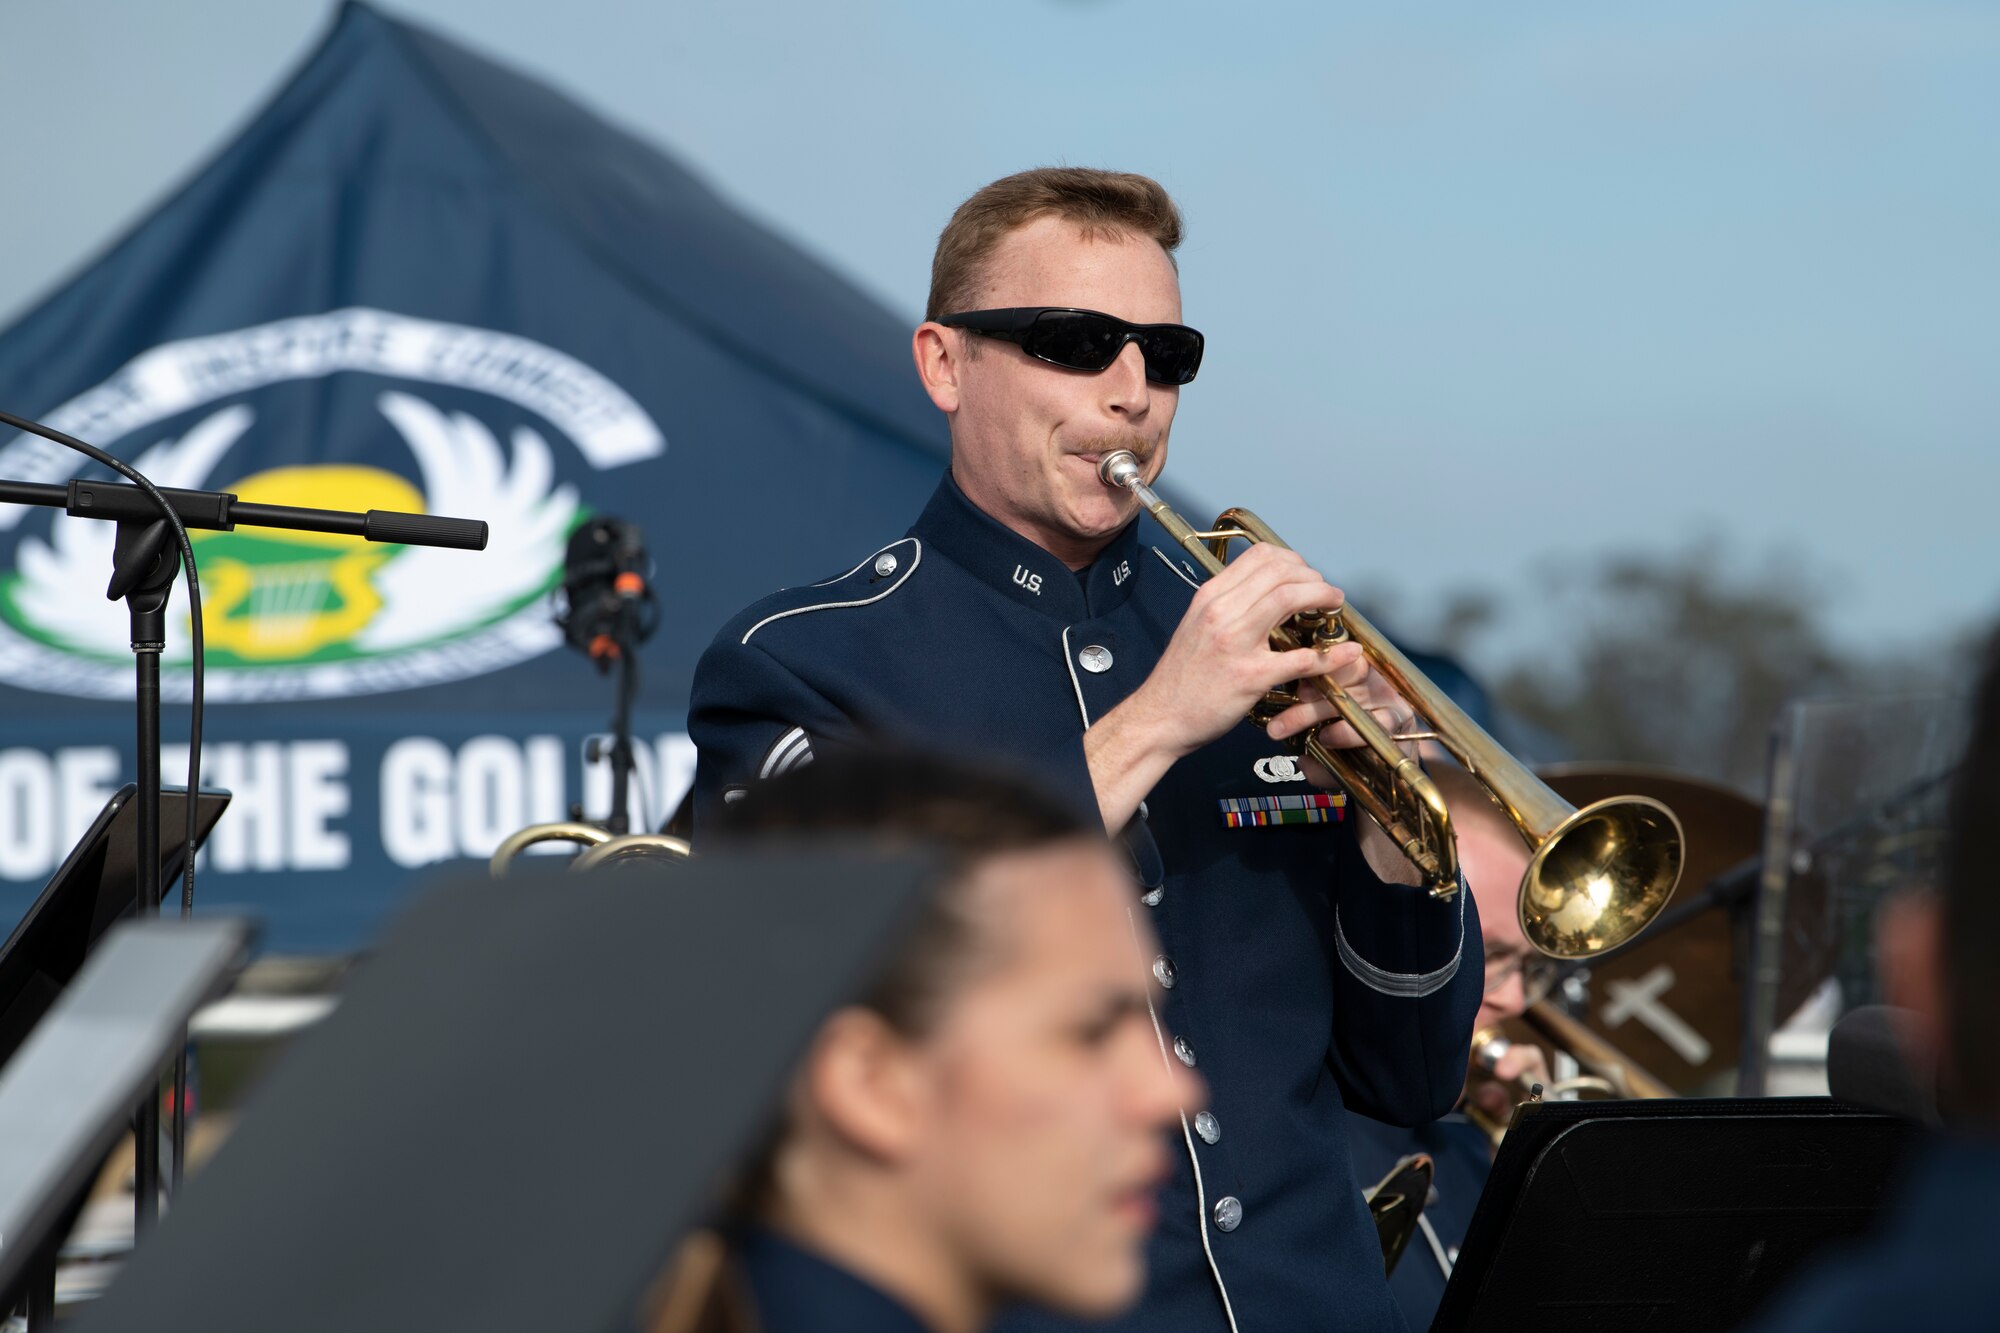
[1120, 467]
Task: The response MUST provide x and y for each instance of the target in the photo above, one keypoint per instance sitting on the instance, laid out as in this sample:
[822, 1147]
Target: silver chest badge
[1279, 768]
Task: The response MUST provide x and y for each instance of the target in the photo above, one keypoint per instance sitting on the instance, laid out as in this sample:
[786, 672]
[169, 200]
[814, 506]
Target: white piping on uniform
[1159, 1035]
[857, 569]
[780, 750]
[1074, 683]
[1403, 985]
[1184, 578]
[1437, 1248]
[797, 757]
[1200, 1193]
[915, 560]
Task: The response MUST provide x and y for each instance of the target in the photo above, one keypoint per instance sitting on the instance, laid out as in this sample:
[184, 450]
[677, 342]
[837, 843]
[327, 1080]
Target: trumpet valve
[1273, 703]
[1312, 627]
[1318, 629]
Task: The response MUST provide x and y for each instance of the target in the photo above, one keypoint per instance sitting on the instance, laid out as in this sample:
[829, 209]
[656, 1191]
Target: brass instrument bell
[600, 845]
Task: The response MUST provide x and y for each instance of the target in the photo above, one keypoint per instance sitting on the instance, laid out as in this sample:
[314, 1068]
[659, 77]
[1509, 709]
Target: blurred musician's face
[1015, 1149]
[1508, 953]
[1026, 435]
[1043, 1096]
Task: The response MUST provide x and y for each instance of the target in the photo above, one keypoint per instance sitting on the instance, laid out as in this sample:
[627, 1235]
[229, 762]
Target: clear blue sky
[1495, 286]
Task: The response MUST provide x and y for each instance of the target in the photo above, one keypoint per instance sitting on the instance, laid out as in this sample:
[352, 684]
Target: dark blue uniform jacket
[1297, 983]
[796, 1291]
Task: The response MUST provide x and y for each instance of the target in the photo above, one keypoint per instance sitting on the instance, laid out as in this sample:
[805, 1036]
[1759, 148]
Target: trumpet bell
[1600, 876]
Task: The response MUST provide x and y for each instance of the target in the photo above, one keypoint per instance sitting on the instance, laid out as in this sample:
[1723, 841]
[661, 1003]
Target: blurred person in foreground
[1495, 859]
[1025, 619]
[1929, 1262]
[985, 1125]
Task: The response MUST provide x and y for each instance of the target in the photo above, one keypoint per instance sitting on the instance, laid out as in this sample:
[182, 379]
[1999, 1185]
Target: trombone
[1607, 1071]
[1598, 875]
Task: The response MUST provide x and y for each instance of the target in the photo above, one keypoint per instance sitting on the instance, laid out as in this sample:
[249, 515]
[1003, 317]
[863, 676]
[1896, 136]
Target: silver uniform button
[1095, 659]
[1163, 972]
[1208, 1127]
[1184, 1051]
[1228, 1213]
[885, 564]
[1151, 897]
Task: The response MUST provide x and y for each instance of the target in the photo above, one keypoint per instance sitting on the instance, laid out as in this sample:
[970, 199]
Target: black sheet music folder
[1665, 1215]
[90, 892]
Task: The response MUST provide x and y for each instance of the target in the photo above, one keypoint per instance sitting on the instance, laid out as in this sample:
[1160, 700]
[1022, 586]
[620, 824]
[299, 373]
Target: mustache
[1142, 449]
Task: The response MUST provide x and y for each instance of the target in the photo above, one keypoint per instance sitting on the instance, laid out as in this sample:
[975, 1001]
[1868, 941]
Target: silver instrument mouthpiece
[1120, 467]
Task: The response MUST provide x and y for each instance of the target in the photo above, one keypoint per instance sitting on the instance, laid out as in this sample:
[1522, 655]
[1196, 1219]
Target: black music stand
[1668, 1215]
[92, 890]
[68, 1093]
[525, 1095]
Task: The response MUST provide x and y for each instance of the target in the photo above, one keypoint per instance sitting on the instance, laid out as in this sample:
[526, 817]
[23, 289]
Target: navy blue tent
[421, 281]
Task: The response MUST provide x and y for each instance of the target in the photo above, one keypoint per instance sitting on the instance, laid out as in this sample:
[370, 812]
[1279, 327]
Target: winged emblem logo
[301, 602]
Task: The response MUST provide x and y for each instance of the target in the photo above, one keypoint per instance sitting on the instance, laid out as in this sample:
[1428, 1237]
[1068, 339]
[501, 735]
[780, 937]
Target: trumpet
[1598, 875]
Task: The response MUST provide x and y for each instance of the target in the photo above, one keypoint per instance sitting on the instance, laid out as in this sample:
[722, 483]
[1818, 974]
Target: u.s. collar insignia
[1279, 768]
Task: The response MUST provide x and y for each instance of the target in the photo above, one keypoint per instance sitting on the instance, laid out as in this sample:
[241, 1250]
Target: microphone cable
[173, 519]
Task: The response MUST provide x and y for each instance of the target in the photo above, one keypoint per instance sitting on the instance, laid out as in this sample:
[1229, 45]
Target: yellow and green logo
[270, 595]
[295, 615]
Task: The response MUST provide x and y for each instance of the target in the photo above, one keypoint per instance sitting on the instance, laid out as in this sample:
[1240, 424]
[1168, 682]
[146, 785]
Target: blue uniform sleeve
[1408, 977]
[751, 717]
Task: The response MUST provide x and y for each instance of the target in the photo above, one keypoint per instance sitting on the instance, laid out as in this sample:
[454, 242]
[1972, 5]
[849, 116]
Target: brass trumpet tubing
[633, 847]
[567, 830]
[600, 845]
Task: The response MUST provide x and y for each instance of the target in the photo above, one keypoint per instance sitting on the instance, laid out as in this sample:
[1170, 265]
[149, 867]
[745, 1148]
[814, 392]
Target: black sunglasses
[1087, 339]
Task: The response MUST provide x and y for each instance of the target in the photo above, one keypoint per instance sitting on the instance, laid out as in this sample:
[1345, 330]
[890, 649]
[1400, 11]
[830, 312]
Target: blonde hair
[1104, 203]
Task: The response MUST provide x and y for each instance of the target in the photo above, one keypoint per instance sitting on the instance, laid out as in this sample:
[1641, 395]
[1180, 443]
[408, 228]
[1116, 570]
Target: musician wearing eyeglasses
[1028, 618]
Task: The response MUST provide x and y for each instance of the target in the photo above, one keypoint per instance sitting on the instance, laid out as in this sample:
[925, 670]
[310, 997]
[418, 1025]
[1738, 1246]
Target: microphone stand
[624, 635]
[144, 563]
[608, 618]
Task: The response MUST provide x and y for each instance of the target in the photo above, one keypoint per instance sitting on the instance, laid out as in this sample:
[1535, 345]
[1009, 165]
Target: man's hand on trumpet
[1352, 671]
[1218, 664]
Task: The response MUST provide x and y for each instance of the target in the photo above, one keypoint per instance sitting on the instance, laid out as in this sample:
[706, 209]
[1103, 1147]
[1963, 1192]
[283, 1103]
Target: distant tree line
[1682, 660]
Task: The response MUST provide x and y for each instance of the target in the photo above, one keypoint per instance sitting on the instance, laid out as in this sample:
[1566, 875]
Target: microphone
[1875, 1060]
[608, 606]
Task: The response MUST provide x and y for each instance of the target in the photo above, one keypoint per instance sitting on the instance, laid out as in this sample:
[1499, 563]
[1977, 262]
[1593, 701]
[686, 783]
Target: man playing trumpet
[1025, 619]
